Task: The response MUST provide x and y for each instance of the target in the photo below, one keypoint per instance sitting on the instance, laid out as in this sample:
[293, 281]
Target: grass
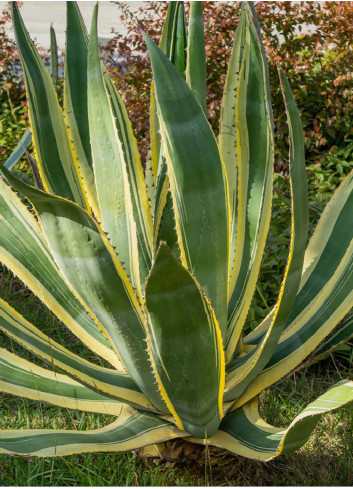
[325, 460]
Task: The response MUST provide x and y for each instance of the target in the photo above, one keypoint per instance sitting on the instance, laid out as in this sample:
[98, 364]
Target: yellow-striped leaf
[22, 378]
[111, 180]
[106, 381]
[58, 167]
[245, 433]
[131, 430]
[24, 251]
[255, 160]
[182, 322]
[197, 181]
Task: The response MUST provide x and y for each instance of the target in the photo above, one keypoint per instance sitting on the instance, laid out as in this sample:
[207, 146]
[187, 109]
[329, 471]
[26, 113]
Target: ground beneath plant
[314, 464]
[300, 469]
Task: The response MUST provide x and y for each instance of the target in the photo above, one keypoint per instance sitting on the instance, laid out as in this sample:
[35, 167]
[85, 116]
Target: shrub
[165, 264]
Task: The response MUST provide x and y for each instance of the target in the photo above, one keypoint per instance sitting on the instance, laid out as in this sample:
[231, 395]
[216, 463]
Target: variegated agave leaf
[161, 289]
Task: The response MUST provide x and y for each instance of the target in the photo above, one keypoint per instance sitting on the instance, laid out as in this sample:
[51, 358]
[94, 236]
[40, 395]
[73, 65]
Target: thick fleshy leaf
[196, 55]
[167, 44]
[103, 380]
[96, 276]
[227, 140]
[173, 43]
[25, 252]
[19, 151]
[58, 167]
[53, 57]
[111, 180]
[75, 100]
[325, 296]
[131, 430]
[141, 209]
[182, 322]
[25, 379]
[197, 181]
[244, 433]
[240, 377]
[255, 153]
[341, 335]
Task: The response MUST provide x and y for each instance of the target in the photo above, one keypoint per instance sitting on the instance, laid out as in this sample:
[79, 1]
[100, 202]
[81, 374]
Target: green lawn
[327, 459]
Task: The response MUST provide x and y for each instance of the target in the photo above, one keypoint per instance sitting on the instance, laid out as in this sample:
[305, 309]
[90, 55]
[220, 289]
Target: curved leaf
[227, 140]
[24, 251]
[255, 153]
[96, 276]
[141, 208]
[131, 430]
[75, 100]
[244, 433]
[181, 322]
[197, 181]
[103, 380]
[111, 180]
[25, 379]
[58, 168]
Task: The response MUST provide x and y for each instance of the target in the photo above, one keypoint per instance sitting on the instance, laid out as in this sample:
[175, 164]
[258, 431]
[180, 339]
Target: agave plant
[155, 271]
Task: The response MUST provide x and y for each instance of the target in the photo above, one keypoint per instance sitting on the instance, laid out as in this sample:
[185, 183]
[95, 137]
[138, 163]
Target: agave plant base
[178, 450]
[154, 271]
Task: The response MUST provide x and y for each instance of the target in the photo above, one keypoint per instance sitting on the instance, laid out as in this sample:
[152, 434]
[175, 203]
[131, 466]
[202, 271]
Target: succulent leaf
[96, 277]
[197, 180]
[57, 165]
[131, 430]
[155, 273]
[180, 321]
[255, 150]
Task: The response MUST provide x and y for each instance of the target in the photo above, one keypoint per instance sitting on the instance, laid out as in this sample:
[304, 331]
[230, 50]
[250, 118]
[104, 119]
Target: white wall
[39, 15]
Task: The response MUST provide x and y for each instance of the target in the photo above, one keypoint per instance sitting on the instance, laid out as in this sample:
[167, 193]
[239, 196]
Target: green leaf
[244, 433]
[75, 100]
[255, 152]
[181, 322]
[130, 431]
[112, 184]
[134, 170]
[58, 168]
[257, 359]
[173, 43]
[196, 55]
[24, 251]
[227, 139]
[96, 276]
[106, 381]
[19, 151]
[166, 44]
[22, 378]
[197, 181]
